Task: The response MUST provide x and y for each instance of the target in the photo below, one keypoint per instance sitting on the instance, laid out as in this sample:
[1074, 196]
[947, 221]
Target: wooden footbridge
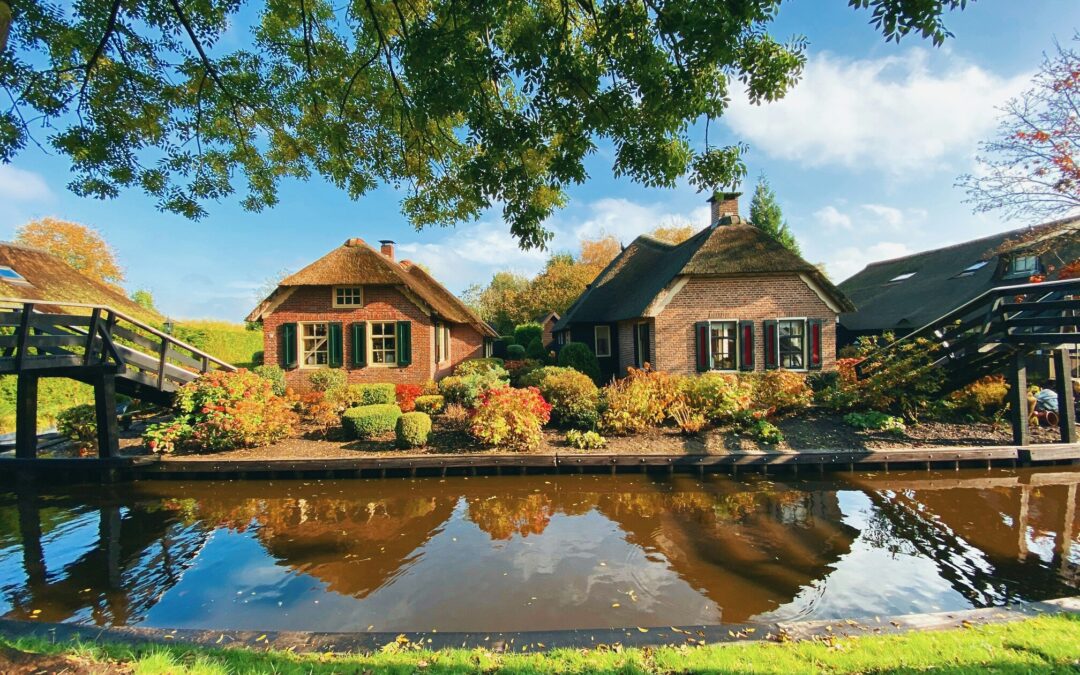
[95, 344]
[997, 332]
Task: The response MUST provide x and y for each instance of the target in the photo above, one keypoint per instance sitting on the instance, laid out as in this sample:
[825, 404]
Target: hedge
[432, 404]
[412, 430]
[366, 421]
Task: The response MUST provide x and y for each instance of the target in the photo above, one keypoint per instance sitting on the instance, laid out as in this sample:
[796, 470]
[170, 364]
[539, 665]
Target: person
[1047, 399]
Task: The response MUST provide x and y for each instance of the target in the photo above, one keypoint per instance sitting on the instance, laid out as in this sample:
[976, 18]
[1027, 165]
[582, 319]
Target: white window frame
[347, 305]
[370, 337]
[17, 279]
[1014, 272]
[902, 277]
[596, 342]
[302, 353]
[805, 347]
[738, 345]
[489, 348]
[443, 343]
[560, 337]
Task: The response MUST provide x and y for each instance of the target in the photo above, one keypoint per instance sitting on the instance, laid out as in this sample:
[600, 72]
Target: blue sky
[863, 154]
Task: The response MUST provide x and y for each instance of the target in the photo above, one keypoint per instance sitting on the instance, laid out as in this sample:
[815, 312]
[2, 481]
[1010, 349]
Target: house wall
[741, 298]
[546, 336]
[628, 345]
[381, 303]
[609, 366]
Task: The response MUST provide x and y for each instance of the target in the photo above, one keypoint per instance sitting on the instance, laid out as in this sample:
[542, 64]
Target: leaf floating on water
[642, 630]
[220, 638]
[614, 604]
[261, 638]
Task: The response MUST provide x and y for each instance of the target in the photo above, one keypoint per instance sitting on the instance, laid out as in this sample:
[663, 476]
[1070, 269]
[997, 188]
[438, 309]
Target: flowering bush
[225, 410]
[430, 404]
[716, 396]
[79, 423]
[585, 440]
[510, 418]
[638, 401]
[466, 389]
[327, 379]
[166, 437]
[573, 396]
[406, 396]
[778, 391]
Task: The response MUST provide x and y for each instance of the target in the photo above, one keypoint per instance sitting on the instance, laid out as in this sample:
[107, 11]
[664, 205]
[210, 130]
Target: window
[901, 277]
[314, 345]
[442, 343]
[791, 343]
[602, 340]
[11, 276]
[489, 348]
[561, 337]
[972, 268]
[723, 340]
[641, 344]
[348, 296]
[1024, 265]
[383, 342]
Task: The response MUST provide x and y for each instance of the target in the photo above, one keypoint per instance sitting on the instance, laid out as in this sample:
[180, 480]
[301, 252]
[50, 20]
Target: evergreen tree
[766, 215]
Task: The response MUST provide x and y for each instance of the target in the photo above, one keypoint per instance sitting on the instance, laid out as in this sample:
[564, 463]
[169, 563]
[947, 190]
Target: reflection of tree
[501, 518]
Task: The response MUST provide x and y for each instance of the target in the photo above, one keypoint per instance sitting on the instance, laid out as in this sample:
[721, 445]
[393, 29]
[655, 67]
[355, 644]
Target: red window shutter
[815, 344]
[746, 345]
[771, 360]
[701, 335]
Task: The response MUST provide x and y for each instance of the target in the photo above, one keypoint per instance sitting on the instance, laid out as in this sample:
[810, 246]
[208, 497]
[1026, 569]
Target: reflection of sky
[870, 580]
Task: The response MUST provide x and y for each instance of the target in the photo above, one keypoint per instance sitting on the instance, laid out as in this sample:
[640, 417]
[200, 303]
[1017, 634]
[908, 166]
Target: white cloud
[849, 260]
[20, 185]
[869, 219]
[895, 114]
[832, 219]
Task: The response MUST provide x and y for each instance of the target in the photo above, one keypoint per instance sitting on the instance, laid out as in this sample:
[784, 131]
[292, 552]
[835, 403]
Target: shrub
[765, 431]
[574, 397]
[432, 404]
[585, 440]
[327, 379]
[779, 391]
[875, 421]
[366, 421]
[406, 396]
[470, 366]
[166, 437]
[638, 401]
[258, 358]
[381, 393]
[456, 416]
[275, 375]
[79, 423]
[412, 430]
[518, 370]
[224, 410]
[525, 333]
[515, 353]
[578, 356]
[317, 411]
[533, 377]
[688, 420]
[536, 350]
[510, 418]
[905, 381]
[716, 396]
[984, 398]
[466, 389]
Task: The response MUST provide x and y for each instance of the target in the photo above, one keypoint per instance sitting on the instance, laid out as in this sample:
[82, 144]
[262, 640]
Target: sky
[863, 154]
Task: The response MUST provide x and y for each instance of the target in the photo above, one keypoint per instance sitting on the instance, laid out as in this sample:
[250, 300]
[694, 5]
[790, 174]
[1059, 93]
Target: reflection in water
[535, 552]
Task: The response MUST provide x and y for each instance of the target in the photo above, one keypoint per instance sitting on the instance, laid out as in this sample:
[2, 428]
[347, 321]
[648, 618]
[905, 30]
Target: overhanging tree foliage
[462, 104]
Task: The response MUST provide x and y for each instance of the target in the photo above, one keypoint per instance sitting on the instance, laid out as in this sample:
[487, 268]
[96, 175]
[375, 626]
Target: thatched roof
[630, 283]
[355, 263]
[50, 278]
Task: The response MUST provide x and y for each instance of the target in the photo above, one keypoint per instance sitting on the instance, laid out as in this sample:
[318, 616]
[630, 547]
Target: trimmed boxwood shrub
[366, 421]
[412, 430]
[527, 332]
[515, 353]
[381, 393]
[536, 350]
[432, 404]
[578, 356]
[327, 379]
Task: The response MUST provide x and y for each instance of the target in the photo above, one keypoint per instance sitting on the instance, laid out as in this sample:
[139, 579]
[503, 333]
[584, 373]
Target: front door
[641, 345]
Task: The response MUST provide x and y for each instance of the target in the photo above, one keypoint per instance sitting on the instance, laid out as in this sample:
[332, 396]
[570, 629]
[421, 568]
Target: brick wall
[381, 303]
[740, 298]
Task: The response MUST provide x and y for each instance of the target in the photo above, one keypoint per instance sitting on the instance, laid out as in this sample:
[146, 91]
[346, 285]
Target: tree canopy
[460, 105]
[80, 246]
[766, 215]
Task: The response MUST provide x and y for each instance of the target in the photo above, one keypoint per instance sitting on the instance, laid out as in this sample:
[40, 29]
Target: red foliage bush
[406, 396]
[511, 418]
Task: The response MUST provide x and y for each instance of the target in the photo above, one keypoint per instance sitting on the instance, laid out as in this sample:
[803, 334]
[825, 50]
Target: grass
[1043, 644]
[55, 394]
[230, 342]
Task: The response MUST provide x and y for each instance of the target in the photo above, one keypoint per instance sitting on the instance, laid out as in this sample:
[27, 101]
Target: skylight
[901, 277]
[972, 268]
[11, 276]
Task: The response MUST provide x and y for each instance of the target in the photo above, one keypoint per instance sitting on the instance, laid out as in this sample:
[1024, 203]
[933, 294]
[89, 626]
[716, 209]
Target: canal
[536, 552]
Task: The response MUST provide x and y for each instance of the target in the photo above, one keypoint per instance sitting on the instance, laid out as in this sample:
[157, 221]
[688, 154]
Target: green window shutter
[772, 345]
[702, 346]
[334, 346]
[746, 345]
[404, 343]
[814, 356]
[287, 345]
[359, 345]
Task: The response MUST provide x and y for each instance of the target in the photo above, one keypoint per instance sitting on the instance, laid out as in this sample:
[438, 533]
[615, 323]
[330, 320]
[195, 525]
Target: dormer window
[1024, 266]
[972, 268]
[901, 277]
[348, 296]
[11, 276]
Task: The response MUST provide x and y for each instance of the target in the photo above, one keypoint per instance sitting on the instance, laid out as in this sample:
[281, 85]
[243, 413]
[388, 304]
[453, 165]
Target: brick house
[547, 323]
[378, 319]
[730, 298]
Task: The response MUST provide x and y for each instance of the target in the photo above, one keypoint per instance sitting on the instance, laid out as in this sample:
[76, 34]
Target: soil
[809, 432]
[17, 662]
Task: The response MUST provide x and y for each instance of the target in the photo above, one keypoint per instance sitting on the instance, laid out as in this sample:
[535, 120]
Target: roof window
[901, 277]
[972, 268]
[11, 276]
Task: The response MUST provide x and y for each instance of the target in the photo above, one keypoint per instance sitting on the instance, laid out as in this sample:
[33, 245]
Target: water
[536, 552]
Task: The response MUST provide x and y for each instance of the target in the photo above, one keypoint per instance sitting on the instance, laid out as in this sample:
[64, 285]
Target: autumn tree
[502, 301]
[766, 215]
[597, 253]
[675, 231]
[464, 105]
[76, 244]
[558, 285]
[144, 298]
[1031, 170]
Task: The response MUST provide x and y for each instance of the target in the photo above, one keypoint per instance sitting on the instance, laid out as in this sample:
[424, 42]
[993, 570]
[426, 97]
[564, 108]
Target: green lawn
[1044, 644]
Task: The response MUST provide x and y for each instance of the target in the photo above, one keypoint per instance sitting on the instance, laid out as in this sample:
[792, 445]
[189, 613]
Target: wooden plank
[92, 335]
[23, 334]
[1042, 305]
[1066, 406]
[1049, 453]
[47, 320]
[1018, 400]
[41, 341]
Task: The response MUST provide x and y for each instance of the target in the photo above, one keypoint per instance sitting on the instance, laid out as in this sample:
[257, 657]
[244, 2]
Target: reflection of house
[729, 298]
[906, 293]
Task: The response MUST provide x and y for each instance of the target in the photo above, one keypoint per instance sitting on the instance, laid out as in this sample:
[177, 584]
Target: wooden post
[1018, 400]
[1066, 406]
[108, 431]
[26, 403]
[1022, 524]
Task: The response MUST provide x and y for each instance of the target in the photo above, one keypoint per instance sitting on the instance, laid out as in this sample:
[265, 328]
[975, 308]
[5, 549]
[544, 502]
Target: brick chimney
[725, 207]
[387, 248]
